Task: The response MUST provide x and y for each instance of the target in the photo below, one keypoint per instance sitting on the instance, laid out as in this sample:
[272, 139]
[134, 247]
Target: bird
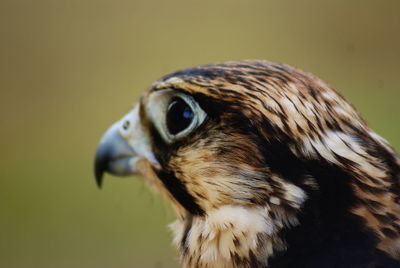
[265, 165]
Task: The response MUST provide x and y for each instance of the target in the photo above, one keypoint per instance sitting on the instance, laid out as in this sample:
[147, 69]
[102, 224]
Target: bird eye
[179, 116]
[174, 114]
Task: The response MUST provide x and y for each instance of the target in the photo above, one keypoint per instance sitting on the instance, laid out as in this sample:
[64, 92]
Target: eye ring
[184, 112]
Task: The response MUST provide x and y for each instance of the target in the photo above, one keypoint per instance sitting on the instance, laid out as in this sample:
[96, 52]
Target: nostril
[126, 125]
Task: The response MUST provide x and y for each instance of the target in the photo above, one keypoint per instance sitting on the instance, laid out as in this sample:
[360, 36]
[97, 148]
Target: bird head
[253, 140]
[212, 136]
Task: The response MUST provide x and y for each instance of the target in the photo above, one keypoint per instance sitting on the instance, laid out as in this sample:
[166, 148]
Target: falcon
[265, 166]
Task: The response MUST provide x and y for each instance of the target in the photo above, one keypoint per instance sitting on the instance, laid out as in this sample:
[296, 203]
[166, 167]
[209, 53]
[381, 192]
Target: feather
[266, 166]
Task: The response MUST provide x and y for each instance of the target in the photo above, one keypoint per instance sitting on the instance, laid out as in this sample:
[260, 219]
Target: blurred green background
[69, 69]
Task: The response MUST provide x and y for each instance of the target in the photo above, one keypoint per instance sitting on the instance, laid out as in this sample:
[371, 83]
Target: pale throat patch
[233, 232]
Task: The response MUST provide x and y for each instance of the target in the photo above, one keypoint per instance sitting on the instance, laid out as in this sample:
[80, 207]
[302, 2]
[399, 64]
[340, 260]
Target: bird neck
[230, 236]
[327, 229]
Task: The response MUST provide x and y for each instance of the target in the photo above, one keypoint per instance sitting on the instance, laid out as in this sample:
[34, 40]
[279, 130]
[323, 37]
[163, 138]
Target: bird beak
[121, 148]
[114, 155]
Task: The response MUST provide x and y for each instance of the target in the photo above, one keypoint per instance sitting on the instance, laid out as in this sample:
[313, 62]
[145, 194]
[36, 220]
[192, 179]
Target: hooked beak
[114, 155]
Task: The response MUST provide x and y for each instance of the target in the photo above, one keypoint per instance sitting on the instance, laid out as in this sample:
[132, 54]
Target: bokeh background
[68, 69]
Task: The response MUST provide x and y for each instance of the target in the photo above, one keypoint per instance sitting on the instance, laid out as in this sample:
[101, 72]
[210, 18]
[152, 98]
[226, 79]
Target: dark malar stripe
[179, 191]
[163, 152]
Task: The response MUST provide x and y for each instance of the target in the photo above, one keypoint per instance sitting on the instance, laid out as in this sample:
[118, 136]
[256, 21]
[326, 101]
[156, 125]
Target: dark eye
[179, 116]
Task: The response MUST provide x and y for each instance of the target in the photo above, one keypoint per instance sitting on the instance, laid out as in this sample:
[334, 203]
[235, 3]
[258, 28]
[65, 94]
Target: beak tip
[99, 172]
[99, 180]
